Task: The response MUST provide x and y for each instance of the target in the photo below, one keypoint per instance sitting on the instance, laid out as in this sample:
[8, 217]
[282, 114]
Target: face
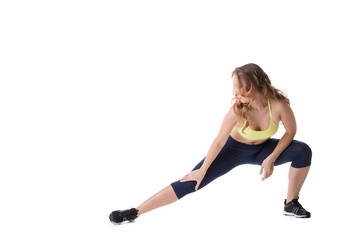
[239, 90]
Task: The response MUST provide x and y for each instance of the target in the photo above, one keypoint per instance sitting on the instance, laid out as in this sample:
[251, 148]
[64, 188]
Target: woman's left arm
[288, 119]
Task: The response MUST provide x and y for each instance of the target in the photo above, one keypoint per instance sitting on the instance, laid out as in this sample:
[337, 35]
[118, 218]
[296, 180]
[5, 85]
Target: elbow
[291, 131]
[291, 134]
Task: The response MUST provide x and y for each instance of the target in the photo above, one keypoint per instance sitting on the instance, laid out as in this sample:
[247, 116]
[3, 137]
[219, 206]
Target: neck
[259, 103]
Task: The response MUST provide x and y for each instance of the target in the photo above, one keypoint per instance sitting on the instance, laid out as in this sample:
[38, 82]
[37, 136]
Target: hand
[267, 167]
[197, 175]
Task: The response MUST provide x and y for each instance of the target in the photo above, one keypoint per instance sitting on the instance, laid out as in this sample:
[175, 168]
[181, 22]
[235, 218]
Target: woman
[244, 138]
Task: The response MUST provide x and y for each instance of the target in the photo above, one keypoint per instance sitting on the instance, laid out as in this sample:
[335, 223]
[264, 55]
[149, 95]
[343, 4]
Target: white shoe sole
[294, 215]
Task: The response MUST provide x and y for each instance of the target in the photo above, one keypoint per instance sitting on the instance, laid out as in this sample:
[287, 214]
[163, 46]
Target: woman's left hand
[267, 167]
[196, 175]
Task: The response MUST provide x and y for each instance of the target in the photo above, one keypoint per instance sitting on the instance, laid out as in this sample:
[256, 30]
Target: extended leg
[164, 197]
[223, 163]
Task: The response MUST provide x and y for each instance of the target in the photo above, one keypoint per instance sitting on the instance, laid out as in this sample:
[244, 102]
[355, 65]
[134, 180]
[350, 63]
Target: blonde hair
[255, 79]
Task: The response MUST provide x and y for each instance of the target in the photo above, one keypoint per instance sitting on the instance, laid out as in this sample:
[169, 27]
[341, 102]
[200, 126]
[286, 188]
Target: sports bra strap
[270, 109]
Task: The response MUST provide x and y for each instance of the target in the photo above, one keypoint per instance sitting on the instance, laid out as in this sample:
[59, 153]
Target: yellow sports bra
[257, 135]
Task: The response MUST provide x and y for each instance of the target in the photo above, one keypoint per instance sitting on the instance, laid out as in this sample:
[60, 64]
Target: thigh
[231, 155]
[224, 162]
[290, 154]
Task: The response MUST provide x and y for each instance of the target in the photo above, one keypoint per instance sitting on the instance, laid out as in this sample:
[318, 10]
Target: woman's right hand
[197, 175]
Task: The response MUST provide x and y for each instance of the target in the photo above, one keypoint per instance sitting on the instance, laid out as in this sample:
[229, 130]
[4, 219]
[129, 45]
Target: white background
[103, 103]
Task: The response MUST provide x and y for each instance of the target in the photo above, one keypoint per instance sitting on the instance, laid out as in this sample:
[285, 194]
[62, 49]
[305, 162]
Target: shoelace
[296, 203]
[298, 206]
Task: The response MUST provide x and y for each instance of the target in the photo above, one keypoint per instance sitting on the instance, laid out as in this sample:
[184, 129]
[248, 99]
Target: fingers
[267, 174]
[264, 171]
[185, 178]
[197, 186]
[265, 177]
[261, 170]
[188, 178]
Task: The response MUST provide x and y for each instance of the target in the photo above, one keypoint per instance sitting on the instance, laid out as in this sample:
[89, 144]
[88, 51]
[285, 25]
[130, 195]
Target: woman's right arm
[218, 143]
[220, 140]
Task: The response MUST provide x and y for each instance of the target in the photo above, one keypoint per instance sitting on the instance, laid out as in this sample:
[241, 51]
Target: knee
[183, 188]
[304, 155]
[306, 152]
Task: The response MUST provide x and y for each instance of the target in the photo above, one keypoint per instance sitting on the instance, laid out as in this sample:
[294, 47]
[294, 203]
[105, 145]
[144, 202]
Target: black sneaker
[294, 208]
[117, 217]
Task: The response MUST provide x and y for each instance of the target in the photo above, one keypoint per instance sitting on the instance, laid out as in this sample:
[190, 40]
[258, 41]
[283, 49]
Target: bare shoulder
[278, 108]
[235, 110]
[236, 113]
[279, 105]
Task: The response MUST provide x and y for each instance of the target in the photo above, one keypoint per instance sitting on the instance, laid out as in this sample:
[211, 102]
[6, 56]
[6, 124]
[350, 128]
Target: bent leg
[299, 154]
[297, 178]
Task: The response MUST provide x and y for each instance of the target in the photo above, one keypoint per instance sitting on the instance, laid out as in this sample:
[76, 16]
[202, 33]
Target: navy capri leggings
[235, 153]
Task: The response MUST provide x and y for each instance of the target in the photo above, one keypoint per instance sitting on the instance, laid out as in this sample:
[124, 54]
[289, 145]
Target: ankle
[289, 199]
[138, 212]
